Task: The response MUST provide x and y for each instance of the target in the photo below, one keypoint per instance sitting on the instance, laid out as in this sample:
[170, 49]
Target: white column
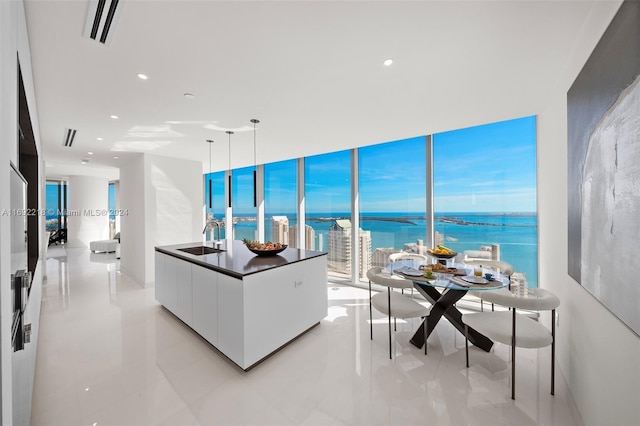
[302, 231]
[355, 219]
[163, 199]
[429, 195]
[87, 210]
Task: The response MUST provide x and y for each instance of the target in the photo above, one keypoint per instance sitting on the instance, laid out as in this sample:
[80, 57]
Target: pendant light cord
[229, 132]
[210, 141]
[254, 121]
[255, 164]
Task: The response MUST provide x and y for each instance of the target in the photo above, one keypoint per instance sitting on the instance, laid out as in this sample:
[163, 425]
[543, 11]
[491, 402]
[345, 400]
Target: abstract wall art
[603, 117]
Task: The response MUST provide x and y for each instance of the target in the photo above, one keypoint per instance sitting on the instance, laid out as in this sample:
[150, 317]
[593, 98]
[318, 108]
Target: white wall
[88, 206]
[597, 354]
[164, 199]
[14, 39]
[132, 226]
[8, 128]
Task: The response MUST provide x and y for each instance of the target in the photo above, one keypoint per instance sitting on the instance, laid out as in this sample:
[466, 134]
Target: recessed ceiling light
[90, 153]
[84, 161]
[189, 95]
[100, 139]
[115, 117]
[142, 76]
[115, 157]
[388, 62]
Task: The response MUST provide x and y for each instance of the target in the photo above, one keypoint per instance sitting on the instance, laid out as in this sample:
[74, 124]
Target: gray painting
[604, 169]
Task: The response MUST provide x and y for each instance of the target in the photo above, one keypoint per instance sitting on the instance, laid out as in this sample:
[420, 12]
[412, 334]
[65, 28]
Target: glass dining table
[443, 292]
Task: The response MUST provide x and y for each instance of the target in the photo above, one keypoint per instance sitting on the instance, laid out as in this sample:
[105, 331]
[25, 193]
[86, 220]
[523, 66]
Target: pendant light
[210, 141]
[229, 132]
[255, 164]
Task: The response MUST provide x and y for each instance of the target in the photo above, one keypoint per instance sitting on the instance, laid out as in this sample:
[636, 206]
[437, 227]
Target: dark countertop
[236, 260]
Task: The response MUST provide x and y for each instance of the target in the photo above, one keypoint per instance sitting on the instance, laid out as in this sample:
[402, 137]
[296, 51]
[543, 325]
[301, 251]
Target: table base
[443, 305]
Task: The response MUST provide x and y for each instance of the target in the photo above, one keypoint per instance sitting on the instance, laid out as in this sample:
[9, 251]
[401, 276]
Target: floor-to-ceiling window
[485, 193]
[392, 188]
[484, 199]
[56, 213]
[215, 203]
[280, 202]
[243, 204]
[328, 207]
[114, 216]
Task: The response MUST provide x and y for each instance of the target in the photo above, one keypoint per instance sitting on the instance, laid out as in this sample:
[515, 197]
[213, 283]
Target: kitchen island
[245, 305]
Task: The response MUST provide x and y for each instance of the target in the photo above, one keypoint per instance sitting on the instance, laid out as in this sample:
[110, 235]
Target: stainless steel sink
[201, 250]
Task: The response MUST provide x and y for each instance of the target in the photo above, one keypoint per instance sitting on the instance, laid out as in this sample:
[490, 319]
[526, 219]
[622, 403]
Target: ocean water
[517, 234]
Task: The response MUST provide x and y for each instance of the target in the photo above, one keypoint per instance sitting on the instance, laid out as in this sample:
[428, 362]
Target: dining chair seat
[401, 306]
[498, 326]
[514, 329]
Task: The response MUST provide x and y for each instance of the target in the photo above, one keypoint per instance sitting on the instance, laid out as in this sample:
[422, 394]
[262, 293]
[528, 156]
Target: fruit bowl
[442, 255]
[267, 252]
[264, 249]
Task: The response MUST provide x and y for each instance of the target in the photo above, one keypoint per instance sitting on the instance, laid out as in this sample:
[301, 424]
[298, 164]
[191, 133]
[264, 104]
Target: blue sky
[280, 189]
[488, 168]
[52, 196]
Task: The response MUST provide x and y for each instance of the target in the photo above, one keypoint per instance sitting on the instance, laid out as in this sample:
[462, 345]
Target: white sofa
[108, 246]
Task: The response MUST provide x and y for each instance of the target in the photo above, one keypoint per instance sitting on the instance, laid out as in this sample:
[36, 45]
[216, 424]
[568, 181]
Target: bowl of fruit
[442, 252]
[264, 249]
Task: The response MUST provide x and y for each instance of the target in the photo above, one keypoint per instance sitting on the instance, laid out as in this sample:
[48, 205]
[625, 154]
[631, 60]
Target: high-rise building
[340, 255]
[280, 229]
[438, 238]
[380, 256]
[417, 247]
[365, 252]
[309, 237]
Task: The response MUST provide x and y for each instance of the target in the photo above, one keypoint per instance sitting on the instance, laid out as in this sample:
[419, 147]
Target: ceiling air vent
[102, 17]
[69, 136]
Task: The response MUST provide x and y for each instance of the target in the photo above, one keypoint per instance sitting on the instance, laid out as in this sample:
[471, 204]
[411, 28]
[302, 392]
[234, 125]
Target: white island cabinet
[205, 296]
[246, 306]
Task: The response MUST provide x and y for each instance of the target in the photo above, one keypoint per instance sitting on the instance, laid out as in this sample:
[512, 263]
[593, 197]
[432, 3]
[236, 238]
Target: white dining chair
[403, 255]
[515, 329]
[393, 304]
[498, 266]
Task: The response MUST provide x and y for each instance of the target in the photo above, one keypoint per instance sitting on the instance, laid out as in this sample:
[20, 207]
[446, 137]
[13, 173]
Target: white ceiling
[311, 71]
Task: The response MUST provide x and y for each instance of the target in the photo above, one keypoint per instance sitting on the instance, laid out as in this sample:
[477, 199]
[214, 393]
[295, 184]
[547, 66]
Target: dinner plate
[475, 280]
[410, 272]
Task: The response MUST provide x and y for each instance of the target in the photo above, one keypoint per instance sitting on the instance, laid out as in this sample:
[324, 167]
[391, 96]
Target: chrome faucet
[211, 223]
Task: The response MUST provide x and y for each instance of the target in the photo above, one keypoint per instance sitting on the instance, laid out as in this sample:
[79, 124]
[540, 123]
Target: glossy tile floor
[109, 354]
